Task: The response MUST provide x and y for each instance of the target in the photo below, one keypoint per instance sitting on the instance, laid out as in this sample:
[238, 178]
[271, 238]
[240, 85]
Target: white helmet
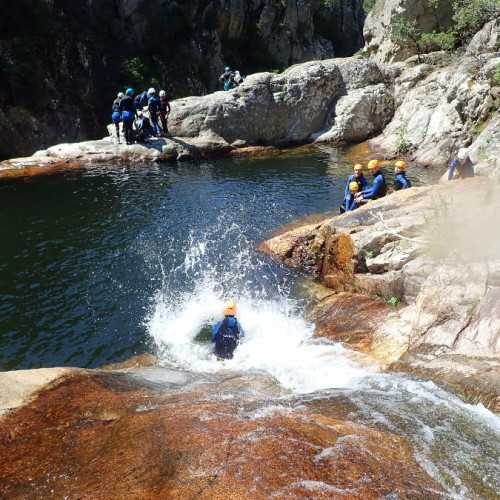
[151, 91]
[162, 93]
[120, 94]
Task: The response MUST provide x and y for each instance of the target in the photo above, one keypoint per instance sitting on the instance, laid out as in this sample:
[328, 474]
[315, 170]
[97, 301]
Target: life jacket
[227, 338]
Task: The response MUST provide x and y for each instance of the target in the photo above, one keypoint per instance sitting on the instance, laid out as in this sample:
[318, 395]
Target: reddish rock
[107, 435]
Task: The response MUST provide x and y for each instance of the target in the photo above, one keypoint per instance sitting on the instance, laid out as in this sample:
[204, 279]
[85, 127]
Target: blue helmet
[227, 68]
[129, 92]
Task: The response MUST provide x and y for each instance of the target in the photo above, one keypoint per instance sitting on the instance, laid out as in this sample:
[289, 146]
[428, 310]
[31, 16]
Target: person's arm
[346, 190]
[377, 184]
[240, 329]
[403, 181]
[451, 171]
[215, 330]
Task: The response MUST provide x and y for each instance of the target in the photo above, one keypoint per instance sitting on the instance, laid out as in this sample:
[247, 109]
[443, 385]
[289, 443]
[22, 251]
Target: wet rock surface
[438, 269]
[116, 435]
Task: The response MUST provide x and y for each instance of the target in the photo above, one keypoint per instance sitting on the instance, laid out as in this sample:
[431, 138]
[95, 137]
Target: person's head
[129, 92]
[358, 170]
[120, 95]
[163, 93]
[152, 91]
[229, 308]
[373, 166]
[399, 166]
[463, 154]
[227, 68]
[353, 187]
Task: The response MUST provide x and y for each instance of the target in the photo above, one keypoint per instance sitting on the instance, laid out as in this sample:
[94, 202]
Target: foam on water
[277, 338]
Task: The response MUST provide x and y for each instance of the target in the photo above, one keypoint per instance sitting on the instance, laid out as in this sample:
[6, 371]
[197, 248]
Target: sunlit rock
[111, 435]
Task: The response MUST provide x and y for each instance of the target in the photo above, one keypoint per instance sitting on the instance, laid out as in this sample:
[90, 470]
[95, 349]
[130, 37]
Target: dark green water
[83, 253]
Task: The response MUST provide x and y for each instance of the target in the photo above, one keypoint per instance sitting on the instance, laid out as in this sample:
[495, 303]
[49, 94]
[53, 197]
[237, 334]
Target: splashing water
[277, 339]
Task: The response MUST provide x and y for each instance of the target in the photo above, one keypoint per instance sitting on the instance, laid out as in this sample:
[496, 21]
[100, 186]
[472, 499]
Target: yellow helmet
[400, 164]
[353, 185]
[373, 164]
[229, 308]
[358, 166]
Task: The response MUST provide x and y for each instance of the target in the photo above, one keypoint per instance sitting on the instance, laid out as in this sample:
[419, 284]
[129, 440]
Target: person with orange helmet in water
[227, 333]
[379, 187]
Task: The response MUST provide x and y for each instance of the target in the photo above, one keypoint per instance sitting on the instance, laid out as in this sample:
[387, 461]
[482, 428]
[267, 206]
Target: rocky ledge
[434, 255]
[426, 110]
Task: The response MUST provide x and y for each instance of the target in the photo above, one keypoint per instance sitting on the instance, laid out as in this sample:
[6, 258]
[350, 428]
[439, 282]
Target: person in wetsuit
[400, 182]
[379, 186]
[461, 166]
[128, 113]
[116, 116]
[362, 183]
[227, 333]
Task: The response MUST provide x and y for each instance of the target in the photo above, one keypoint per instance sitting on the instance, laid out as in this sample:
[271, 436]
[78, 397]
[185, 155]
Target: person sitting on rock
[461, 167]
[379, 186]
[358, 177]
[227, 333]
[350, 203]
[144, 129]
[400, 181]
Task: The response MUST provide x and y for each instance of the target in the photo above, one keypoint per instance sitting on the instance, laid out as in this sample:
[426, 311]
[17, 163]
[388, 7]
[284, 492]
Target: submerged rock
[114, 435]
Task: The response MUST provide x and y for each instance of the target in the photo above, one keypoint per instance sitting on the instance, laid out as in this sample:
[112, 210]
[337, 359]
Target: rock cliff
[61, 63]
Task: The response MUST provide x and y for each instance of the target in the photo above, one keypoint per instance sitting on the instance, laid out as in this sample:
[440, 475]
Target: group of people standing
[147, 108]
[358, 191]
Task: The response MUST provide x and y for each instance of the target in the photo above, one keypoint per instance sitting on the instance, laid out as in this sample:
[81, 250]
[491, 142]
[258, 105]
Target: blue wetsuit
[153, 108]
[401, 182]
[350, 203]
[463, 171]
[362, 182]
[227, 335]
[128, 112]
[378, 189]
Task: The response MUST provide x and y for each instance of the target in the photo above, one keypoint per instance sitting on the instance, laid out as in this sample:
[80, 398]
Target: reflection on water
[99, 265]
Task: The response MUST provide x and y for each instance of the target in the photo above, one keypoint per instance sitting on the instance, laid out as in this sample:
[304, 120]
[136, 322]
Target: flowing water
[101, 264]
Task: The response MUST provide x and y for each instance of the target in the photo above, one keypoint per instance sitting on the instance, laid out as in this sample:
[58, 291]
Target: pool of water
[85, 254]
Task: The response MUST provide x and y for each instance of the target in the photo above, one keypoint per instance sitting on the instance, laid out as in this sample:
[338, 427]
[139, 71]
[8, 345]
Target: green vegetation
[473, 304]
[368, 5]
[370, 254]
[469, 17]
[393, 301]
[495, 77]
[402, 144]
[431, 42]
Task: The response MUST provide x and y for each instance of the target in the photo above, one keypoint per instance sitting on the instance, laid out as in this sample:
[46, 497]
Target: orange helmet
[229, 308]
[353, 185]
[358, 166]
[373, 164]
[400, 164]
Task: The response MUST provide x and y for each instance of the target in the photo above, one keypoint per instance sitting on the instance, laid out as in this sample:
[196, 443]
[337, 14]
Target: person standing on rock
[227, 78]
[227, 333]
[153, 109]
[164, 112]
[128, 114]
[400, 182]
[116, 117]
[461, 167]
[379, 186]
